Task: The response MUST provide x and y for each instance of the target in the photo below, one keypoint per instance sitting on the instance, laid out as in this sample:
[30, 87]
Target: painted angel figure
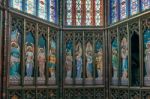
[41, 60]
[15, 59]
[79, 60]
[147, 59]
[124, 56]
[52, 59]
[99, 63]
[69, 64]
[29, 59]
[89, 59]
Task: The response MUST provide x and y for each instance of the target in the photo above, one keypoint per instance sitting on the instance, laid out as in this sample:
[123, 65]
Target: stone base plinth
[14, 80]
[68, 81]
[40, 80]
[52, 81]
[89, 81]
[124, 81]
[99, 81]
[28, 80]
[78, 81]
[147, 81]
[114, 81]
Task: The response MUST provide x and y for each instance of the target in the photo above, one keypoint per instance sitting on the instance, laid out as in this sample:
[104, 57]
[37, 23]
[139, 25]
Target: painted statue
[15, 59]
[89, 59]
[69, 64]
[147, 58]
[52, 59]
[99, 63]
[29, 59]
[15, 54]
[78, 60]
[115, 62]
[115, 58]
[124, 56]
[41, 60]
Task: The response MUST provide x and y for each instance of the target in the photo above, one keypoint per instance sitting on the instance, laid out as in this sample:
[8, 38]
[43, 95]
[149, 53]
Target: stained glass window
[97, 12]
[134, 7]
[31, 6]
[123, 9]
[52, 11]
[17, 4]
[88, 12]
[42, 10]
[145, 4]
[69, 12]
[114, 11]
[78, 12]
[84, 12]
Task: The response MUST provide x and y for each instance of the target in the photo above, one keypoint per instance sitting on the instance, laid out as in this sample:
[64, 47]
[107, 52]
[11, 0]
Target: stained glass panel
[97, 12]
[42, 9]
[78, 12]
[123, 9]
[52, 11]
[145, 4]
[31, 6]
[69, 12]
[114, 11]
[17, 4]
[84, 12]
[134, 7]
[88, 12]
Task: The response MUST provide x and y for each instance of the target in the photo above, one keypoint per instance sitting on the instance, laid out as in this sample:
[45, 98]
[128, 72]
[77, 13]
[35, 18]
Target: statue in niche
[115, 59]
[14, 54]
[52, 59]
[89, 59]
[78, 54]
[41, 60]
[99, 63]
[29, 59]
[147, 59]
[115, 62]
[124, 56]
[15, 59]
[69, 64]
